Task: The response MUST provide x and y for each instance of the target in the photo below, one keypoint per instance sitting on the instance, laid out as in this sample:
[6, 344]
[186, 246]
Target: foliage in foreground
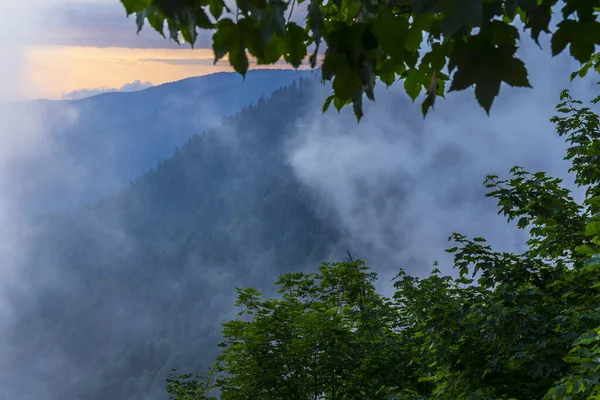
[510, 326]
[419, 41]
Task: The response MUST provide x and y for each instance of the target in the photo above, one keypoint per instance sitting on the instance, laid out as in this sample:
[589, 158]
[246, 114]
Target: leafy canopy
[421, 42]
[509, 326]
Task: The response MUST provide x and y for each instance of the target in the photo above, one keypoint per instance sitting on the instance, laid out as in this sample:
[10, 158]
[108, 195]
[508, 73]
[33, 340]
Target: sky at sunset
[56, 71]
[87, 46]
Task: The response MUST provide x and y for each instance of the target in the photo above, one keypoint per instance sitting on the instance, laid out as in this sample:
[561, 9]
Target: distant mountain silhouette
[101, 143]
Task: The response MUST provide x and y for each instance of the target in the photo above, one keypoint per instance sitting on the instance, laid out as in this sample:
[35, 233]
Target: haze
[87, 190]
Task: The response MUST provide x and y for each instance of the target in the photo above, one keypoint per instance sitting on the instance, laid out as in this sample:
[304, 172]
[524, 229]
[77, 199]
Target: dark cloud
[104, 24]
[100, 24]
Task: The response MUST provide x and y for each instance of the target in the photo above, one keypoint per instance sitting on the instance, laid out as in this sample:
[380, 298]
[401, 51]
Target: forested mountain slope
[139, 282]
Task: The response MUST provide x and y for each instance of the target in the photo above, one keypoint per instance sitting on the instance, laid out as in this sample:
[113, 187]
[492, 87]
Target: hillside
[93, 147]
[119, 293]
[146, 275]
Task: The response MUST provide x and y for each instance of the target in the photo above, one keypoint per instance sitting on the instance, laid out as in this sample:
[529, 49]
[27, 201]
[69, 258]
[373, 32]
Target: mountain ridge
[101, 143]
[151, 269]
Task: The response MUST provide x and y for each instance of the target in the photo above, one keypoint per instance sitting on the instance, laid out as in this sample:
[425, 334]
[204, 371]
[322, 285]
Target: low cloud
[398, 187]
[128, 87]
[180, 61]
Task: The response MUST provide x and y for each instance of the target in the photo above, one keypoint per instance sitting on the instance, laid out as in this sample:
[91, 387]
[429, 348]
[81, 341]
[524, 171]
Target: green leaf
[436, 57]
[583, 36]
[593, 263]
[274, 49]
[224, 38]
[582, 50]
[253, 38]
[486, 68]
[295, 49]
[345, 83]
[412, 83]
[314, 23]
[140, 18]
[228, 39]
[188, 32]
[593, 228]
[328, 102]
[561, 37]
[357, 100]
[156, 20]
[425, 106]
[585, 249]
[510, 8]
[538, 20]
[368, 78]
[173, 29]
[587, 338]
[390, 30]
[338, 102]
[216, 8]
[515, 73]
[386, 71]
[456, 16]
[135, 6]
[202, 21]
[273, 19]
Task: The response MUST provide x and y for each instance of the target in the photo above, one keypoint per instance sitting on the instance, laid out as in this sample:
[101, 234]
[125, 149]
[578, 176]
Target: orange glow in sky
[55, 70]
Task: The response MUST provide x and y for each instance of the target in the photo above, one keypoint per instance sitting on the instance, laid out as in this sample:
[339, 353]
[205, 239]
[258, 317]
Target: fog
[22, 136]
[354, 170]
[441, 162]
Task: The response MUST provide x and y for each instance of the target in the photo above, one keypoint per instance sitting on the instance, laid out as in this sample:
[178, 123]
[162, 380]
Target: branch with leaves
[419, 42]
